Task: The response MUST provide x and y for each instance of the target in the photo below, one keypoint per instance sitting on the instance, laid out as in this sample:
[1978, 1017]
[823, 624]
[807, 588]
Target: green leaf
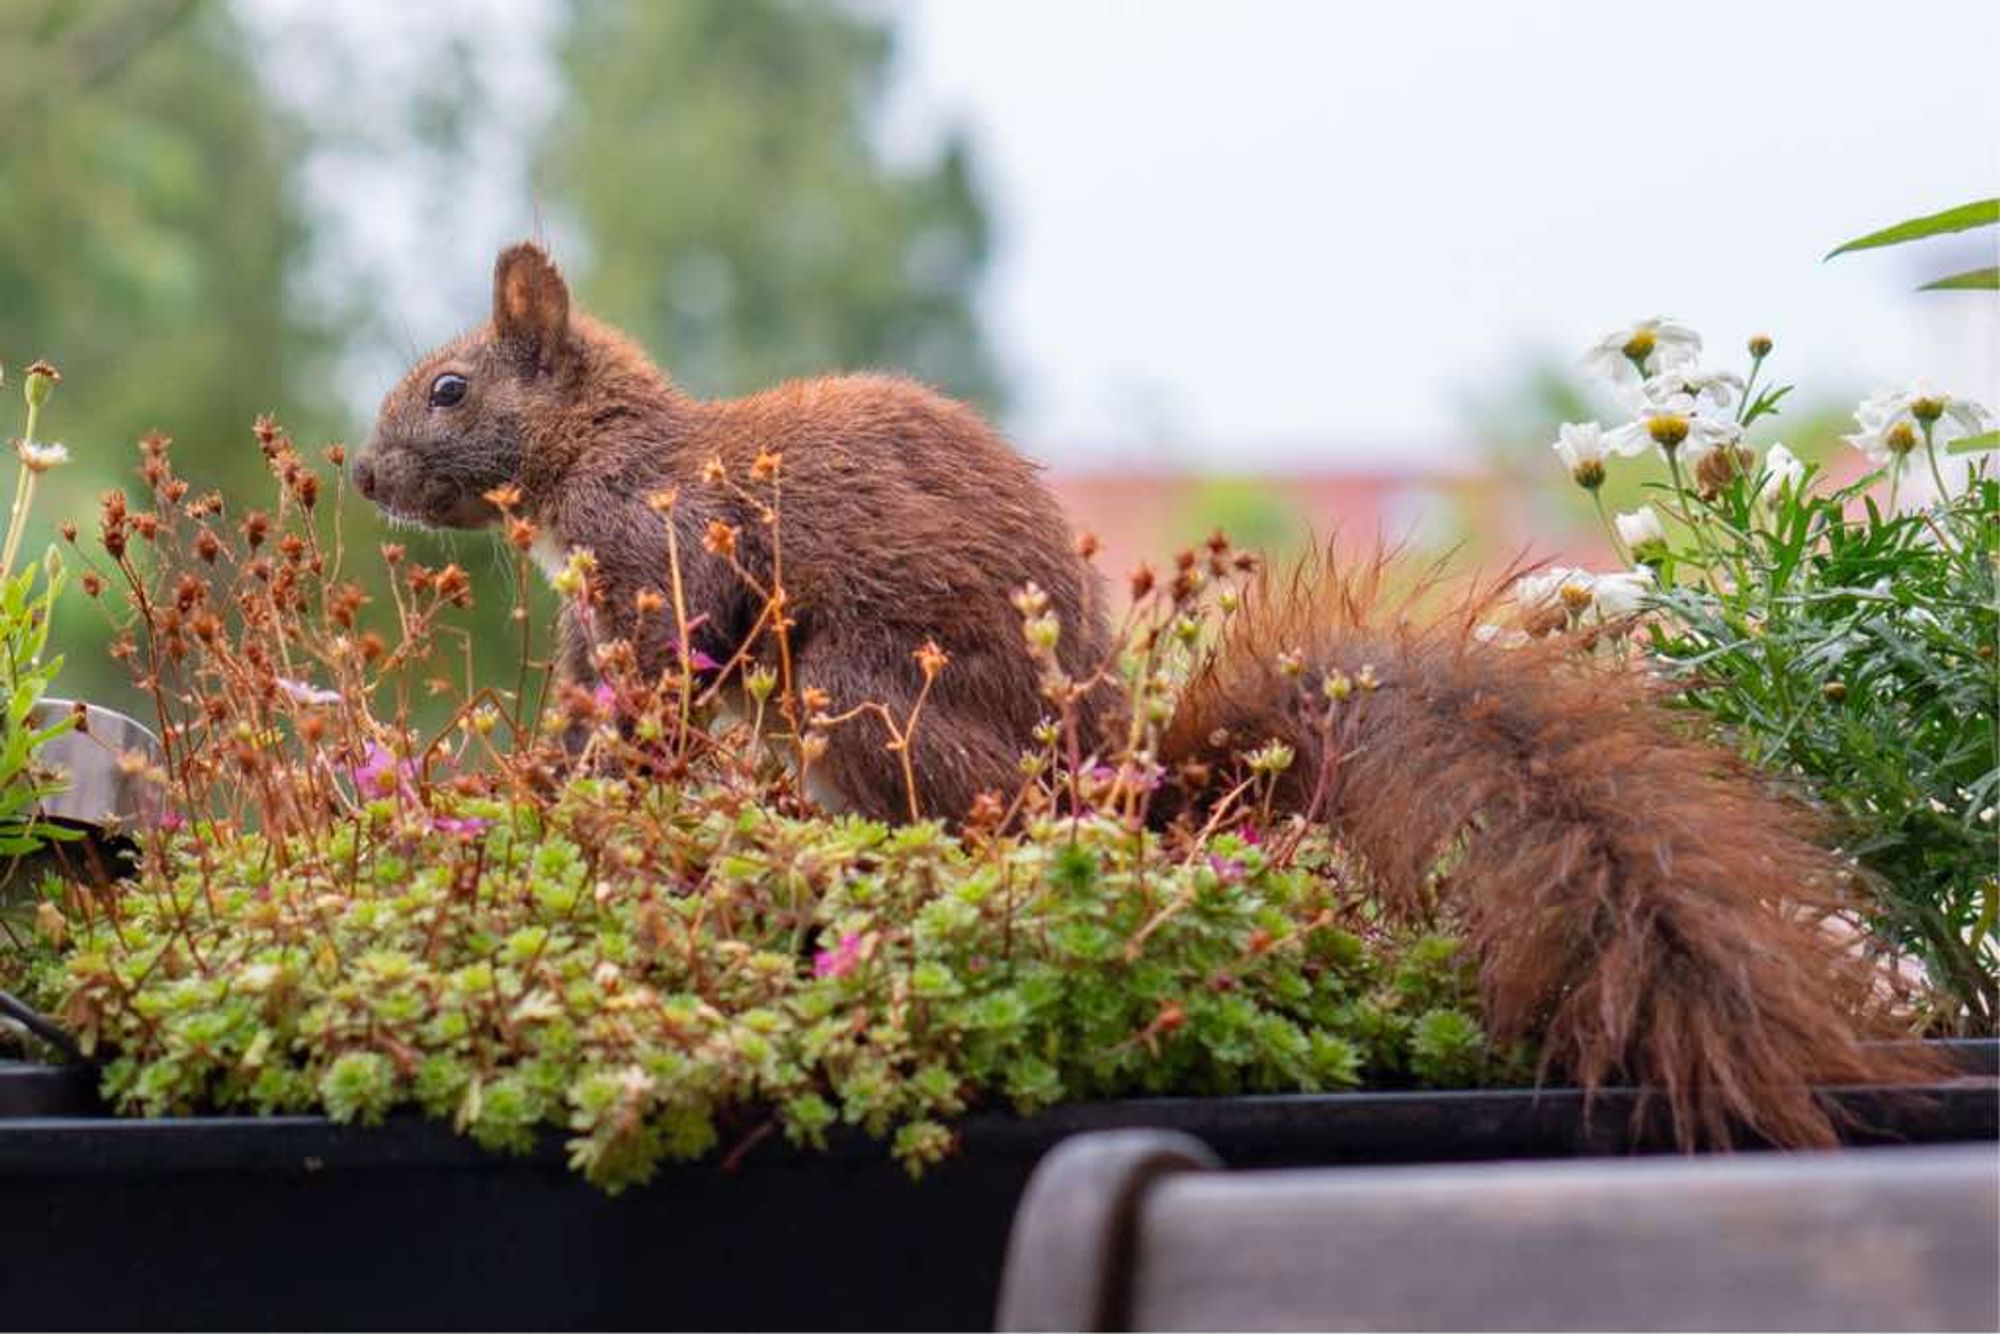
[1972, 280]
[1981, 213]
[1975, 444]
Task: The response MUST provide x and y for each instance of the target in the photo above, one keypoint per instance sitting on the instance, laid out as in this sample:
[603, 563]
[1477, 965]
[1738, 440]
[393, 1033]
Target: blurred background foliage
[178, 219]
[159, 243]
[776, 243]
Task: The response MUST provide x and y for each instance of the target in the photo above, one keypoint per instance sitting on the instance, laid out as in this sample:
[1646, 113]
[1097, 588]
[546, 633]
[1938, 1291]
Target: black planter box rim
[50, 1121]
[279, 1222]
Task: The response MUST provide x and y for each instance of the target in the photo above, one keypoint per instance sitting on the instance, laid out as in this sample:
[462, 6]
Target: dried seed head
[506, 498]
[931, 659]
[454, 585]
[720, 539]
[1719, 467]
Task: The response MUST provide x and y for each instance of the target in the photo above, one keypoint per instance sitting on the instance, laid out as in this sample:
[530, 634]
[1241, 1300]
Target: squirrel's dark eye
[447, 391]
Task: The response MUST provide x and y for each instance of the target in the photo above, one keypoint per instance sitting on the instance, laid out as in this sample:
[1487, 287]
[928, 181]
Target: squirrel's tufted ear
[530, 303]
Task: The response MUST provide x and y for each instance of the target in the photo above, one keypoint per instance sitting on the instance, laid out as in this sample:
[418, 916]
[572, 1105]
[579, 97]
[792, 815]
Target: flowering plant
[27, 601]
[1843, 635]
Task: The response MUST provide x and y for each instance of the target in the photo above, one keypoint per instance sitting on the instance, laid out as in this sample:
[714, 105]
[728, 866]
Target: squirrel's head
[457, 425]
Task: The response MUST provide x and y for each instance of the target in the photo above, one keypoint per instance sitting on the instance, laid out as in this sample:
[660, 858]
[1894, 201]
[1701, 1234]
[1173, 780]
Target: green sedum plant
[794, 975]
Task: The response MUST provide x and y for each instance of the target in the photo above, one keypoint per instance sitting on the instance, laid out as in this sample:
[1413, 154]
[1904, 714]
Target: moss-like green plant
[660, 977]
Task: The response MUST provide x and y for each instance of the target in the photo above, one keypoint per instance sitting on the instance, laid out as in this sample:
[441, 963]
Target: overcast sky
[1260, 233]
[1288, 230]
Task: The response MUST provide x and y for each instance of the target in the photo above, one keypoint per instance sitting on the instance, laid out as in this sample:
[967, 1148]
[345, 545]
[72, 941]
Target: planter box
[284, 1222]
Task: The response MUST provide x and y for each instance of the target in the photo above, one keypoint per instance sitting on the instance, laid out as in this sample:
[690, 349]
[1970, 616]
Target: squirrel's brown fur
[904, 517]
[1638, 901]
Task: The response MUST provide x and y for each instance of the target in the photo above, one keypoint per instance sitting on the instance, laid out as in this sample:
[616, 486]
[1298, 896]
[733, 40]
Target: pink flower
[301, 693]
[605, 698]
[838, 962]
[1130, 775]
[465, 826]
[697, 660]
[381, 774]
[1227, 869]
[172, 822]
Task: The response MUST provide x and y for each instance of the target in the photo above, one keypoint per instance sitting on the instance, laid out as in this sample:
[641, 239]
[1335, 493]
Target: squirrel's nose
[364, 477]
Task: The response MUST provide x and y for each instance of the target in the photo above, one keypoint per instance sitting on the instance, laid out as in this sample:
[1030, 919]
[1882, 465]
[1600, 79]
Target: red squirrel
[1635, 896]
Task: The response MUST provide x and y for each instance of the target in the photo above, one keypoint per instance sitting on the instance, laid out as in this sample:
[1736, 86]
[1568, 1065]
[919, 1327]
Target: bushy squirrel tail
[1640, 903]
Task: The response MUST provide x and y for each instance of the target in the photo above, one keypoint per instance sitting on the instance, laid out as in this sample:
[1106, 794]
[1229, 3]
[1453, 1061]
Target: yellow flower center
[1668, 430]
[1927, 410]
[1640, 345]
[1589, 474]
[1576, 597]
[1901, 439]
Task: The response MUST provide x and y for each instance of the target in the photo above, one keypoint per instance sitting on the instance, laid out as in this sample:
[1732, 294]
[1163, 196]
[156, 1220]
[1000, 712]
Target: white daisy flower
[1641, 350]
[1781, 469]
[41, 458]
[1623, 594]
[1582, 446]
[1712, 391]
[1677, 423]
[1892, 422]
[1641, 531]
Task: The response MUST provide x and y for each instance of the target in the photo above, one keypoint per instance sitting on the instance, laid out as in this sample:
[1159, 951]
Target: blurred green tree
[737, 215]
[146, 226]
[147, 234]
